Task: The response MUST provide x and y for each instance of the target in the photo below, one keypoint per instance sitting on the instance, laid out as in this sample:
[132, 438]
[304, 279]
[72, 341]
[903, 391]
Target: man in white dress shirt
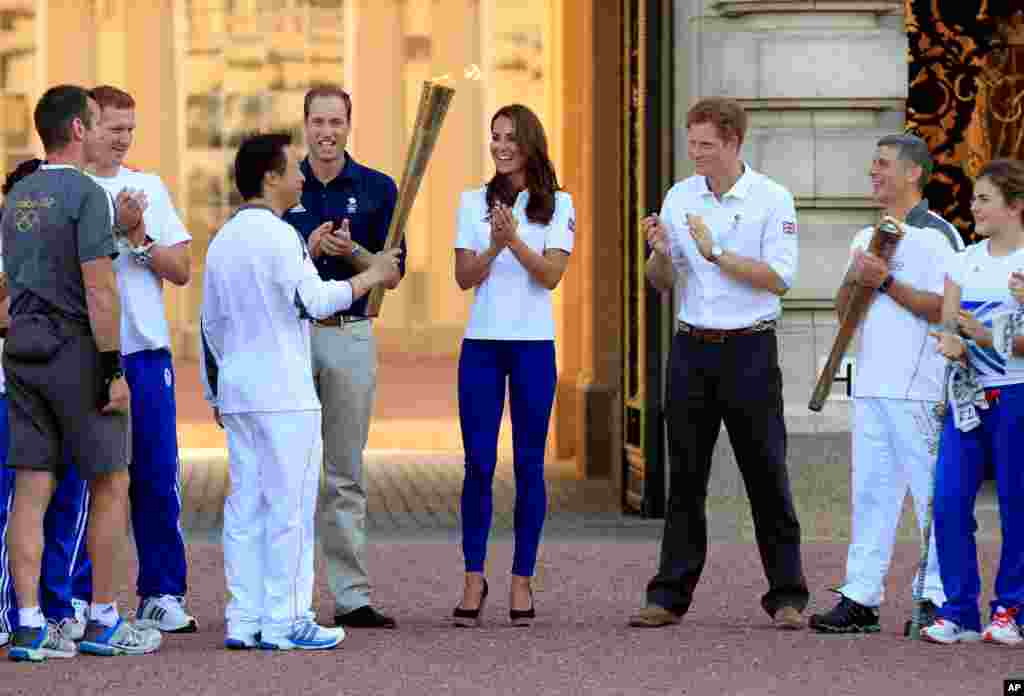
[260, 290]
[728, 236]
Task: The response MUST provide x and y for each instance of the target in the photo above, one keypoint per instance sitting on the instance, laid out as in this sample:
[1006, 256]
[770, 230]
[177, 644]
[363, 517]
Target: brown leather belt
[338, 320]
[722, 335]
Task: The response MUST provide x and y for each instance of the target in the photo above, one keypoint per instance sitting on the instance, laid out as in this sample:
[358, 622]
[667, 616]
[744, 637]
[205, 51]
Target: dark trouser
[737, 381]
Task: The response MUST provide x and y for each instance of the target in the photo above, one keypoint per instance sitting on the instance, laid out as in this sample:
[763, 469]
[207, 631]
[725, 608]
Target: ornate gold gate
[648, 133]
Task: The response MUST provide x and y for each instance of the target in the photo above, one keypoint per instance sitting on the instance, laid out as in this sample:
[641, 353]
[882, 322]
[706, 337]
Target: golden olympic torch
[433, 106]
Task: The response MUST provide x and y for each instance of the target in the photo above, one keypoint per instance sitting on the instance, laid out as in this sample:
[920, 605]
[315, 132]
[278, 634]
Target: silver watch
[142, 254]
[716, 251]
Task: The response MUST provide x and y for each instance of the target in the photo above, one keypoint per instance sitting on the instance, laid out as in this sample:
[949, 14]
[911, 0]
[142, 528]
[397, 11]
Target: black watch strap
[886, 284]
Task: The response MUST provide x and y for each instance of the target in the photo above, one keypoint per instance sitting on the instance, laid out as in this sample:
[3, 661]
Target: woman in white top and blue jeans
[513, 243]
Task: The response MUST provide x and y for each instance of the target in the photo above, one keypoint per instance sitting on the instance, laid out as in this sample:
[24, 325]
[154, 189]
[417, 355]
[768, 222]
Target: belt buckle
[714, 337]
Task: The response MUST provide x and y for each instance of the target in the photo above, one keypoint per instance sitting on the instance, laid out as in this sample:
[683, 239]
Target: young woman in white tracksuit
[260, 289]
[983, 336]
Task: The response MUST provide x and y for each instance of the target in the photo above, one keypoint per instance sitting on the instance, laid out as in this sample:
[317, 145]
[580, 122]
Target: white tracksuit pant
[274, 461]
[895, 444]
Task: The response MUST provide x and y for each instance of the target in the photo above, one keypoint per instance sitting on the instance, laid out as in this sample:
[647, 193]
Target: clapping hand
[1017, 286]
[971, 327]
[701, 234]
[504, 226]
[656, 234]
[950, 345]
[337, 241]
[131, 204]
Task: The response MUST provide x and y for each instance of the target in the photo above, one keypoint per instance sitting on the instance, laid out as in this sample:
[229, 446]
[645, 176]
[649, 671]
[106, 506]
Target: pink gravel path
[579, 645]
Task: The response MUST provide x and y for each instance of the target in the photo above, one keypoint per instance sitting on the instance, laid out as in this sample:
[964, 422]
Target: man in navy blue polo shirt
[343, 215]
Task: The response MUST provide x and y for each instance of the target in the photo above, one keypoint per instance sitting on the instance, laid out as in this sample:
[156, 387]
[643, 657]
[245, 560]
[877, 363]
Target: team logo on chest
[26, 219]
[351, 208]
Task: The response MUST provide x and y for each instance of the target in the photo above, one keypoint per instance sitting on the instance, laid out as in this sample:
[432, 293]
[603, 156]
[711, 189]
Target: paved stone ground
[592, 568]
[579, 645]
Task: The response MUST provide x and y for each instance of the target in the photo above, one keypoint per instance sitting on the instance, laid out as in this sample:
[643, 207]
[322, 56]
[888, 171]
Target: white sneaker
[73, 627]
[165, 613]
[306, 635]
[38, 644]
[1003, 630]
[5, 638]
[123, 638]
[946, 632]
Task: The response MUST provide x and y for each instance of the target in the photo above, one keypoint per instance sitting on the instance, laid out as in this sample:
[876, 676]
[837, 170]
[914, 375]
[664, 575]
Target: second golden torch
[433, 106]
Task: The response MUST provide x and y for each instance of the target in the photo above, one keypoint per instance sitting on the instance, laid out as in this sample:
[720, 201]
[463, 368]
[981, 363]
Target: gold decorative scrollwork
[966, 68]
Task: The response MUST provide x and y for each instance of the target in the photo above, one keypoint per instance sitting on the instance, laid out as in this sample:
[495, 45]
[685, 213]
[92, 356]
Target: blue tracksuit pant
[960, 470]
[65, 571]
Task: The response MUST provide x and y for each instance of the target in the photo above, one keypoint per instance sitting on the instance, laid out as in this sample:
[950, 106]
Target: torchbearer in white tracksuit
[898, 385]
[260, 289]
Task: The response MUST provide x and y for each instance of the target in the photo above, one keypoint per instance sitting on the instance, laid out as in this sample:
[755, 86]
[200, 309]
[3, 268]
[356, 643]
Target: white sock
[105, 614]
[31, 617]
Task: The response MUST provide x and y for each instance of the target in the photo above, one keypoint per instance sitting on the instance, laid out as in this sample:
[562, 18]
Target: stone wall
[822, 81]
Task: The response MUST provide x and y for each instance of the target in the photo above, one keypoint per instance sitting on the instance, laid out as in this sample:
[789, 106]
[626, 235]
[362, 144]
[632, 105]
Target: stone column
[65, 61]
[379, 134]
[136, 52]
[592, 171]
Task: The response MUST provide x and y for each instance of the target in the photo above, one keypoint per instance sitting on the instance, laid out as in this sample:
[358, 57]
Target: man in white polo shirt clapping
[728, 237]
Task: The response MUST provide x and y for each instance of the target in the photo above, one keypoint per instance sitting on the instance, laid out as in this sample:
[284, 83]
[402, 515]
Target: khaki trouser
[345, 372]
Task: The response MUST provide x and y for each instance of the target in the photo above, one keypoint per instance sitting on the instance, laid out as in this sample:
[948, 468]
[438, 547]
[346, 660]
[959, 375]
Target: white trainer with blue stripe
[306, 635]
[123, 638]
[38, 644]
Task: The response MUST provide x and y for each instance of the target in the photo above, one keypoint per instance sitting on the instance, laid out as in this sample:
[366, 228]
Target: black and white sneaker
[847, 617]
[165, 613]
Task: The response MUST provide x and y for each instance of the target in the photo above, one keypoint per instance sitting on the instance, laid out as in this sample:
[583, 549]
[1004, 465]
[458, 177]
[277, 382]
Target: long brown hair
[1007, 175]
[541, 181]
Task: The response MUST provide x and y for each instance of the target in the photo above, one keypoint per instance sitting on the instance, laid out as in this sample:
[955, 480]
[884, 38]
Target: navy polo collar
[350, 172]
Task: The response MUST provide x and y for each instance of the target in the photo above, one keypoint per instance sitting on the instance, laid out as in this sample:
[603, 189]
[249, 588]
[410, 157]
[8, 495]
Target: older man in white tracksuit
[259, 291]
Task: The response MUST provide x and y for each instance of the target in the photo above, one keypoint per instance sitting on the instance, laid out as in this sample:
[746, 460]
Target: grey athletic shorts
[53, 390]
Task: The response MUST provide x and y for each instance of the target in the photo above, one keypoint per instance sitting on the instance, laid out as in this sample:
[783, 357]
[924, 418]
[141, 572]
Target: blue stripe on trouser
[484, 368]
[67, 572]
[64, 525]
[8, 603]
[154, 494]
[960, 470]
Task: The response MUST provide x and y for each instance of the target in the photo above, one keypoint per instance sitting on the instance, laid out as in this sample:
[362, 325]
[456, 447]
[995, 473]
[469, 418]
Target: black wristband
[886, 284]
[110, 364]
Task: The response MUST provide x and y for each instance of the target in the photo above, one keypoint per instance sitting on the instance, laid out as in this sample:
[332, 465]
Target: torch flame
[471, 72]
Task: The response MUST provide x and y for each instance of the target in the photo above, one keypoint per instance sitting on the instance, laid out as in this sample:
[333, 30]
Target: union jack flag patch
[789, 228]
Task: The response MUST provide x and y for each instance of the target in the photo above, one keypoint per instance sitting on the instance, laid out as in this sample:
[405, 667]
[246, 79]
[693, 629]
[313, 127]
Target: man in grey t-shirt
[64, 379]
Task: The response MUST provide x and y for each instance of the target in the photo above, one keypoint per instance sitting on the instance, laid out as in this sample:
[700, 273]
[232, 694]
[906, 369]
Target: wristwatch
[142, 254]
[716, 251]
[886, 284]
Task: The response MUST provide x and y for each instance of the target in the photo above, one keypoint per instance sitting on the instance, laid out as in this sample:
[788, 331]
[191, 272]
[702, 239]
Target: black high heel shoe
[523, 617]
[470, 618]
